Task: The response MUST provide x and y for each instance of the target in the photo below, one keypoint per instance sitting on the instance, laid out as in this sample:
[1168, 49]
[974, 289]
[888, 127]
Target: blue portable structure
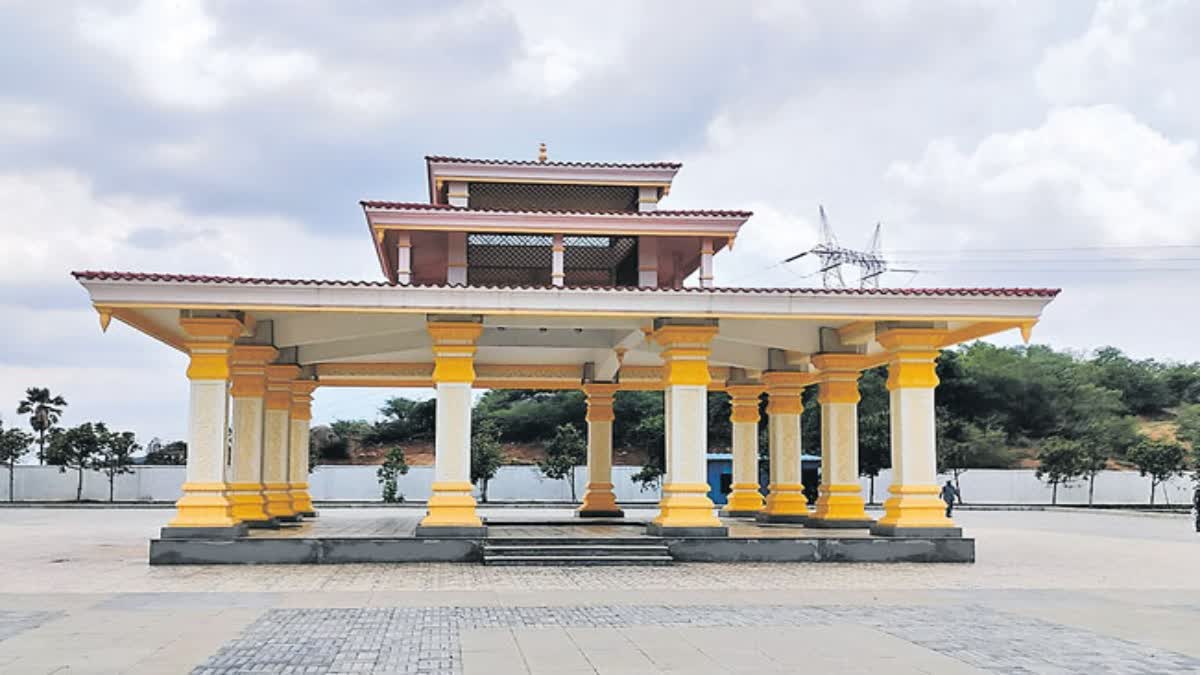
[720, 474]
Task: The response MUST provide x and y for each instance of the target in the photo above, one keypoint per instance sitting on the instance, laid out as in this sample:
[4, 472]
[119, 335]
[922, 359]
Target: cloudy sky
[999, 142]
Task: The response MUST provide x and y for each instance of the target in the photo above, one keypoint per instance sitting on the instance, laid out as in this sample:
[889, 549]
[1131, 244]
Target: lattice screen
[508, 259]
[526, 259]
[599, 261]
[540, 197]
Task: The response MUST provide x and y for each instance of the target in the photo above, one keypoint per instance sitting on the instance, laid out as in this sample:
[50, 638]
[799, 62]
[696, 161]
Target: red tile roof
[261, 281]
[424, 206]
[530, 162]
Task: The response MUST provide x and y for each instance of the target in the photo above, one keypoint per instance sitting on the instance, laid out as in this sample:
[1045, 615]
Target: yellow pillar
[205, 509]
[685, 509]
[745, 499]
[452, 505]
[248, 389]
[277, 434]
[913, 509]
[598, 499]
[300, 415]
[840, 502]
[786, 502]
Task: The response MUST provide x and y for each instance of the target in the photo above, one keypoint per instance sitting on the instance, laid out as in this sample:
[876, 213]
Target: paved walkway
[1052, 592]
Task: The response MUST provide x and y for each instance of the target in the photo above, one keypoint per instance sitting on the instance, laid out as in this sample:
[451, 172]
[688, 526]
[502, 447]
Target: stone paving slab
[437, 639]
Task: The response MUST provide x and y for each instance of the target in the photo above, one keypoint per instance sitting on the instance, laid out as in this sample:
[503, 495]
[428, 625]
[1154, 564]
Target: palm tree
[44, 411]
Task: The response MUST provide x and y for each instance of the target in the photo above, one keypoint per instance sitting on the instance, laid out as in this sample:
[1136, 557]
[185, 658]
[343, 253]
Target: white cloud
[24, 122]
[1094, 175]
[80, 229]
[1138, 54]
[175, 54]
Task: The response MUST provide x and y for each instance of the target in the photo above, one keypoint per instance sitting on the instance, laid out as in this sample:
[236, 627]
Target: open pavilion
[557, 275]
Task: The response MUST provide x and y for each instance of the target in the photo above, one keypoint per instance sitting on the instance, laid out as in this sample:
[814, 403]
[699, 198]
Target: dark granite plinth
[601, 514]
[210, 533]
[843, 524]
[268, 524]
[792, 519]
[656, 530]
[424, 531]
[740, 514]
[922, 532]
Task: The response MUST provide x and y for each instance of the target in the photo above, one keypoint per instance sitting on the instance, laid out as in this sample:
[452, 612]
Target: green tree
[114, 455]
[404, 421]
[563, 453]
[14, 443]
[1160, 460]
[388, 474]
[1060, 460]
[171, 454]
[44, 410]
[76, 448]
[486, 455]
[649, 435]
[1188, 419]
[1142, 385]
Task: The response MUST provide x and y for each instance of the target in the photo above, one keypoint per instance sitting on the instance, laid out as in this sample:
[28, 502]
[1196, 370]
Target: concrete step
[493, 540]
[575, 560]
[628, 550]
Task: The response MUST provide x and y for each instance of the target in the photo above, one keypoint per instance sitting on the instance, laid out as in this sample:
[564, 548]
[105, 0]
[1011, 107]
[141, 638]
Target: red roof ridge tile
[530, 162]
[267, 281]
[424, 206]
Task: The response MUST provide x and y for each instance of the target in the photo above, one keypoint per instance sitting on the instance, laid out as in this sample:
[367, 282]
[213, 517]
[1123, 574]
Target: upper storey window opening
[551, 197]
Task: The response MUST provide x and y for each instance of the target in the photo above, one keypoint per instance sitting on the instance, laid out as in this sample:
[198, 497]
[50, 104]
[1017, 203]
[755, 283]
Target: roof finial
[542, 153]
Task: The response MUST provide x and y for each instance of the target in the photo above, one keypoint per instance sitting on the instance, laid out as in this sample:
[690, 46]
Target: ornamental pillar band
[745, 499]
[685, 509]
[786, 502]
[913, 509]
[277, 440]
[452, 505]
[840, 501]
[300, 415]
[599, 500]
[205, 509]
[248, 389]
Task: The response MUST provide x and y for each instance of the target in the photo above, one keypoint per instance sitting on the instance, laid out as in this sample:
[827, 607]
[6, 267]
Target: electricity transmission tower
[832, 256]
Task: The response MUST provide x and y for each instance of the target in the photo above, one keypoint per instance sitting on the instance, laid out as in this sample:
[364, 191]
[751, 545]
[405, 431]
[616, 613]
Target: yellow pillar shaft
[839, 502]
[300, 416]
[277, 436]
[785, 498]
[205, 502]
[745, 499]
[598, 498]
[685, 506]
[248, 391]
[451, 506]
[913, 506]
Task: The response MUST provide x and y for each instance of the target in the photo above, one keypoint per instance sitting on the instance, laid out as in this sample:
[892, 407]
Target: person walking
[1196, 505]
[949, 494]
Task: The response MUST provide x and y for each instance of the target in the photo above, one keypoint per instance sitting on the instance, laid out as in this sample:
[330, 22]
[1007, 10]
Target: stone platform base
[309, 514]
[740, 514]
[333, 550]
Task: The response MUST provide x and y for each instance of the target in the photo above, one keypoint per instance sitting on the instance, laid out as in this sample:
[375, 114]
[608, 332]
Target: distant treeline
[990, 401]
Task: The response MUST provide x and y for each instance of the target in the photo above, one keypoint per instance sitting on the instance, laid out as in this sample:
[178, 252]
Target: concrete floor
[1054, 591]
